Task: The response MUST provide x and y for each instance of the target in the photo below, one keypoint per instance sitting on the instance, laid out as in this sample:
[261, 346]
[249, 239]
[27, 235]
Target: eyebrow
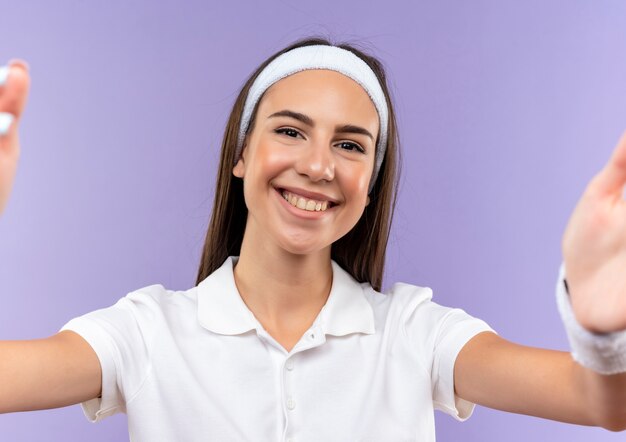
[305, 119]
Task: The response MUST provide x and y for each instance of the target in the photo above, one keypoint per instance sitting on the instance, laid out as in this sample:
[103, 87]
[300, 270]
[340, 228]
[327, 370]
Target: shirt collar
[221, 309]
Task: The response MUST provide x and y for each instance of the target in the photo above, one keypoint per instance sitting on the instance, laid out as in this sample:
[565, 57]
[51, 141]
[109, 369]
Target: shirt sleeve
[121, 335]
[439, 333]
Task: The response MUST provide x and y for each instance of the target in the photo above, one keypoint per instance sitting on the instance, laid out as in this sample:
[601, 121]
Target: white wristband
[604, 353]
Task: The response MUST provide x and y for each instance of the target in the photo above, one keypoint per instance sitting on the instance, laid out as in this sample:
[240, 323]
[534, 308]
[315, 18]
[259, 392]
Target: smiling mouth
[304, 203]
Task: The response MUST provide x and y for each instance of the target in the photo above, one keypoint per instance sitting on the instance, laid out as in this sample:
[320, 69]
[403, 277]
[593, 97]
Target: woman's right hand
[13, 95]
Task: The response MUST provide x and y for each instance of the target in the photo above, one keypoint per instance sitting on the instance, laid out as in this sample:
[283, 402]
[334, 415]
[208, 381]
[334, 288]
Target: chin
[303, 247]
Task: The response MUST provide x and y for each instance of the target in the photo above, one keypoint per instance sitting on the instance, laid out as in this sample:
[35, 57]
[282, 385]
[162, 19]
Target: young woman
[286, 335]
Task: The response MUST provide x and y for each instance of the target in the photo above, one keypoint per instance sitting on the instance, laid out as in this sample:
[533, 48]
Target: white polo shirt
[196, 365]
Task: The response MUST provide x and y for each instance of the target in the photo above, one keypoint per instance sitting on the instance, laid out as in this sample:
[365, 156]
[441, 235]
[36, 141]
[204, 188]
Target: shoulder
[145, 306]
[155, 293]
[401, 308]
[157, 297]
[137, 316]
[412, 308]
[398, 299]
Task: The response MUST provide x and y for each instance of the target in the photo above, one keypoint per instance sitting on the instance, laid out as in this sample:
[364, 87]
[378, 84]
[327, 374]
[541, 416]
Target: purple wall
[506, 110]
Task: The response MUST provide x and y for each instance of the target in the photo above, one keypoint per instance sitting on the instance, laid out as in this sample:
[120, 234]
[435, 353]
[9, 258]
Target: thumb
[611, 179]
[14, 87]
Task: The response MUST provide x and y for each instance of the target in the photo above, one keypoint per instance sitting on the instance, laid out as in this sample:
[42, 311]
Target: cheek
[357, 179]
[271, 159]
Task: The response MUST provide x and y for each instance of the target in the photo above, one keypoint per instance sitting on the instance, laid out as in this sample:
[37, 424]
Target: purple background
[506, 110]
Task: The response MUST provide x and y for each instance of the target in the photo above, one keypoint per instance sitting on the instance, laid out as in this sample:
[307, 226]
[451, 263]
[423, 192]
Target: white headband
[320, 57]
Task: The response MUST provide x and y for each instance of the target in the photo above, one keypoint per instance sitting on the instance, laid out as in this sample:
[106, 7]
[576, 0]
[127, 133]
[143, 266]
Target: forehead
[322, 89]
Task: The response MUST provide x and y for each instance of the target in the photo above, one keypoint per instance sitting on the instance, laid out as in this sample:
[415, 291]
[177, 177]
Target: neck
[283, 290]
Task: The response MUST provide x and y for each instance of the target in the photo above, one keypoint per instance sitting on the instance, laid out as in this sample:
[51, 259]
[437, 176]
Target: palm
[13, 96]
[594, 249]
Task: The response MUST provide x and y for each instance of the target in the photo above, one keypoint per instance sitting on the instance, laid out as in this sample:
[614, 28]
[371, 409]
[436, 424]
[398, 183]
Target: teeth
[305, 204]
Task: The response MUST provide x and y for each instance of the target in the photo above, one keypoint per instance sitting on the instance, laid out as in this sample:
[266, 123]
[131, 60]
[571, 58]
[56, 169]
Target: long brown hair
[361, 252]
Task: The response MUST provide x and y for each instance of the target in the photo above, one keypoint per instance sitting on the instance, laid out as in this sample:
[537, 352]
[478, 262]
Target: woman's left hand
[594, 249]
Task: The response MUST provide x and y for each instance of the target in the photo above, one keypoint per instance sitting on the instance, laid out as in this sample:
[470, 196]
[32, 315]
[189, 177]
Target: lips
[305, 204]
[308, 195]
[301, 212]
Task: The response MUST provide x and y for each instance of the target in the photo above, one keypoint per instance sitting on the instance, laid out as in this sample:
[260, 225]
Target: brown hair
[361, 252]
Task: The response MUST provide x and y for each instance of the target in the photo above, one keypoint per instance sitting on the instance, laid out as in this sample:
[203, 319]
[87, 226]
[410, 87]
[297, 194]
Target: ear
[367, 203]
[239, 168]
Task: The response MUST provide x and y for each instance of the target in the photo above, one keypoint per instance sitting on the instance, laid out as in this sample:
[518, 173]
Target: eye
[351, 146]
[346, 145]
[288, 131]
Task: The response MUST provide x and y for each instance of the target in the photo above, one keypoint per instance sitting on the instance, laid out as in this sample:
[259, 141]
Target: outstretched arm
[40, 373]
[499, 374]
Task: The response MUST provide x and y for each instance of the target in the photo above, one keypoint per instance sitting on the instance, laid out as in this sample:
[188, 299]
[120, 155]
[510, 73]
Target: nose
[317, 162]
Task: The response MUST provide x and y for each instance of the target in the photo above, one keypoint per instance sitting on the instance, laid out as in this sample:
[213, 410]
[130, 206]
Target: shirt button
[291, 439]
[291, 404]
[289, 364]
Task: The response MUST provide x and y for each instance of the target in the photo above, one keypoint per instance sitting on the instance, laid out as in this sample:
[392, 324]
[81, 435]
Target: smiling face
[313, 143]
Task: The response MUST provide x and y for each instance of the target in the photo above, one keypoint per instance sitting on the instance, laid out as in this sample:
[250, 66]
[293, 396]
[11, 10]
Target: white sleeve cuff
[604, 353]
[111, 401]
[446, 398]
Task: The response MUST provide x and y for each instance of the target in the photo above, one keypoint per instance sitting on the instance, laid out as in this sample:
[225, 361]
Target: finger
[19, 62]
[6, 121]
[612, 178]
[15, 87]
